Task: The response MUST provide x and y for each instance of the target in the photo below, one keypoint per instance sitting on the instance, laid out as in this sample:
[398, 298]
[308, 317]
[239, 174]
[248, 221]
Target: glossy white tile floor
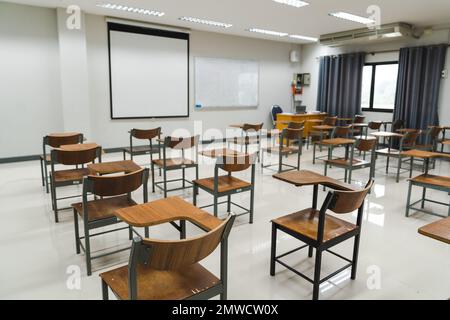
[36, 252]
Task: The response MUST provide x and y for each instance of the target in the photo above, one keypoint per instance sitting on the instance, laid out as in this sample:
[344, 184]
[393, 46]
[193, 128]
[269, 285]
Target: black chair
[182, 163]
[321, 231]
[115, 192]
[227, 185]
[170, 270]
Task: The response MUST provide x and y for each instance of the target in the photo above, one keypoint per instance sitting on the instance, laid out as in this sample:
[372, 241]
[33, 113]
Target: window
[378, 86]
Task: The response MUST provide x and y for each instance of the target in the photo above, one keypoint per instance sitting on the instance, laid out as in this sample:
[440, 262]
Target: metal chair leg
[165, 182]
[252, 201]
[229, 203]
[153, 177]
[273, 249]
[310, 251]
[424, 193]
[215, 205]
[42, 172]
[355, 257]
[77, 231]
[317, 267]
[408, 199]
[104, 291]
[195, 192]
[87, 248]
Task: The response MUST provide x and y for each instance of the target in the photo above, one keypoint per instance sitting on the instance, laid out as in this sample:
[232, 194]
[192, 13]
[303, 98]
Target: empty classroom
[227, 150]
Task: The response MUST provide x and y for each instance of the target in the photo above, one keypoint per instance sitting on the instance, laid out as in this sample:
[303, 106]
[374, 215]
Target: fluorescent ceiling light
[293, 3]
[352, 17]
[131, 9]
[268, 32]
[207, 22]
[295, 36]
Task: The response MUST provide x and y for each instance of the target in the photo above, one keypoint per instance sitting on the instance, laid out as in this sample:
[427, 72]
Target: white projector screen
[149, 72]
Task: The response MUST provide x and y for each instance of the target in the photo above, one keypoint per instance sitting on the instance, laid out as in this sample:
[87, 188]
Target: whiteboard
[226, 83]
[149, 73]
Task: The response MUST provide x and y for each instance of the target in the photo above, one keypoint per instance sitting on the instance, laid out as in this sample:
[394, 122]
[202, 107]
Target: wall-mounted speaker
[295, 56]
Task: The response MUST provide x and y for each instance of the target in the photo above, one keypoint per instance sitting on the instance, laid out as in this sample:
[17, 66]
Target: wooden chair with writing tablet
[337, 132]
[288, 136]
[170, 270]
[115, 192]
[352, 163]
[59, 178]
[55, 140]
[251, 136]
[318, 135]
[150, 148]
[227, 185]
[319, 230]
[170, 163]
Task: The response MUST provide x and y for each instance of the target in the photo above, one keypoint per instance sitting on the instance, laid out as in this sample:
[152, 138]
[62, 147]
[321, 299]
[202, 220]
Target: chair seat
[141, 149]
[342, 162]
[161, 285]
[432, 180]
[70, 175]
[244, 140]
[386, 151]
[306, 223]
[284, 150]
[103, 208]
[174, 162]
[225, 183]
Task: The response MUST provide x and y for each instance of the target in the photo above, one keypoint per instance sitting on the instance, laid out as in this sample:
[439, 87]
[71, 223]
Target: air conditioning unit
[364, 35]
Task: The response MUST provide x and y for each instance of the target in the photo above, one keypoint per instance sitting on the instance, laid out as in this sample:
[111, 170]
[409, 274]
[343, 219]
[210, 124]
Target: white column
[74, 75]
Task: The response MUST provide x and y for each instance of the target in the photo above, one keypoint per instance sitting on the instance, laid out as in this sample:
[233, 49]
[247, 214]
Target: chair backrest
[375, 125]
[181, 143]
[330, 121]
[56, 141]
[341, 132]
[252, 127]
[176, 254]
[409, 139]
[75, 157]
[108, 186]
[292, 134]
[433, 133]
[295, 125]
[236, 163]
[359, 119]
[342, 202]
[366, 144]
[146, 134]
[397, 124]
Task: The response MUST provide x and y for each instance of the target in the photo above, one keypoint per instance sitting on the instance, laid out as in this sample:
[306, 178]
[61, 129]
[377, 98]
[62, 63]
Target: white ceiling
[312, 20]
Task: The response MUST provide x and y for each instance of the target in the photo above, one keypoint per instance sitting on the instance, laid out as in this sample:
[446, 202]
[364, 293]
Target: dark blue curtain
[419, 77]
[340, 81]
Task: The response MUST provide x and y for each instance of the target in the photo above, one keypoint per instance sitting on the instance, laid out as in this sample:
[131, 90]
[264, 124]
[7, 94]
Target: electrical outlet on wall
[445, 74]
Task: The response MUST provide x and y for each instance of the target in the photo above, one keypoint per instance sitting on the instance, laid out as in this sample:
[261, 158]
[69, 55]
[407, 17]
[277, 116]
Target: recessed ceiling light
[268, 32]
[352, 17]
[295, 36]
[131, 9]
[293, 3]
[392, 35]
[208, 22]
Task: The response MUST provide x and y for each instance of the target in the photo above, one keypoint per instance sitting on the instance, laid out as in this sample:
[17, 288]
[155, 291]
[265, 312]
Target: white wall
[310, 64]
[56, 79]
[30, 92]
[276, 74]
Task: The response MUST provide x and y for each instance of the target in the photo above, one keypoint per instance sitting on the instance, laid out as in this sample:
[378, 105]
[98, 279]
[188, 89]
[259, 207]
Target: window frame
[372, 86]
